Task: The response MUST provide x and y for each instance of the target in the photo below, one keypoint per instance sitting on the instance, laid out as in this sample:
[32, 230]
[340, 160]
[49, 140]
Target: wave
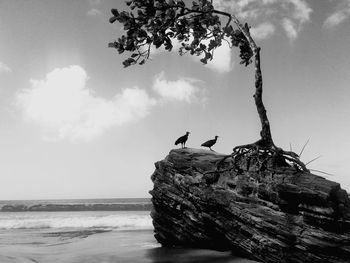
[144, 206]
[59, 220]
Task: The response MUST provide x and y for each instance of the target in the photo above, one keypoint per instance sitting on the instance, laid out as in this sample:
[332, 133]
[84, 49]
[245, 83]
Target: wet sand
[96, 246]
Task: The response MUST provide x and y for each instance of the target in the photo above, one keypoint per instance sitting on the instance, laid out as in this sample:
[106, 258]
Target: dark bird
[210, 143]
[182, 140]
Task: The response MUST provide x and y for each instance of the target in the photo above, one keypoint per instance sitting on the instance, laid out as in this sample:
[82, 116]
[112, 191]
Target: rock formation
[281, 214]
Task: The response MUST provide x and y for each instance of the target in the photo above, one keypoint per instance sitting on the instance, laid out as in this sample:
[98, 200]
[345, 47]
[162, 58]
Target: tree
[200, 29]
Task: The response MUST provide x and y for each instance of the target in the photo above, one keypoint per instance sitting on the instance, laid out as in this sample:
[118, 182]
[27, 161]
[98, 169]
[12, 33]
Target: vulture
[210, 143]
[182, 140]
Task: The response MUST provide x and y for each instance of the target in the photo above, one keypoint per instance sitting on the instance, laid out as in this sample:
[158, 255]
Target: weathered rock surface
[277, 215]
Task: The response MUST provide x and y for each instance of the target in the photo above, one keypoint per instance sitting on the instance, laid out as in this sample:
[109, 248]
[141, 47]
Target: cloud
[301, 12]
[339, 15]
[290, 28]
[65, 108]
[272, 12]
[4, 68]
[262, 31]
[222, 61]
[94, 12]
[183, 89]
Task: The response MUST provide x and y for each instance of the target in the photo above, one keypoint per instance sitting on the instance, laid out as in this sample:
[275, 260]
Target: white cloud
[183, 89]
[301, 12]
[290, 28]
[222, 61]
[339, 15]
[4, 68]
[66, 109]
[262, 31]
[336, 19]
[94, 12]
[273, 12]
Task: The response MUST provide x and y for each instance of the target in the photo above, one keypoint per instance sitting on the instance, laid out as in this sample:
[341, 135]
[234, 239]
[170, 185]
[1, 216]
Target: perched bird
[210, 143]
[182, 140]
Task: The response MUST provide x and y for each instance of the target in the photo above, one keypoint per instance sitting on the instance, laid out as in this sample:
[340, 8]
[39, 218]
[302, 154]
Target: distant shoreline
[127, 204]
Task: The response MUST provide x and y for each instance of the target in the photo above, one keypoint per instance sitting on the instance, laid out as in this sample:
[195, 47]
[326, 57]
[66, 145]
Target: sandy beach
[100, 247]
[104, 247]
[91, 237]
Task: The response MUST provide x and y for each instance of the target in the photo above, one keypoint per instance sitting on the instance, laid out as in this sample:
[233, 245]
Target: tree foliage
[198, 27]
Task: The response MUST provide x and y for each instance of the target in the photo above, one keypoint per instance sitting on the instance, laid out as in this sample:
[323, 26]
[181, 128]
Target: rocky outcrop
[276, 215]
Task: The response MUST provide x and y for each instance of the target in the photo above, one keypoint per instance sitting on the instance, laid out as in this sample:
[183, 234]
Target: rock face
[278, 215]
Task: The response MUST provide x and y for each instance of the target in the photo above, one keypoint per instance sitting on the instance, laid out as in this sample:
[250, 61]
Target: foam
[57, 220]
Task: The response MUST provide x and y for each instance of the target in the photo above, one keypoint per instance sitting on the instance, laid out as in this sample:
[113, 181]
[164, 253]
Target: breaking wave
[38, 220]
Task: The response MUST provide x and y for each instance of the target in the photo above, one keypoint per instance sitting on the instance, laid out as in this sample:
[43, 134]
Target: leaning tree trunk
[265, 133]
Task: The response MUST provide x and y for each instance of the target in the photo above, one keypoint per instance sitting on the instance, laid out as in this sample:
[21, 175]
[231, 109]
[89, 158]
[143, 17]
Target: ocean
[89, 231]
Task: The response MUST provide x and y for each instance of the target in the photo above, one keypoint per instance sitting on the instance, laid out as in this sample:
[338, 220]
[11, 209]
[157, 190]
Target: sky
[75, 124]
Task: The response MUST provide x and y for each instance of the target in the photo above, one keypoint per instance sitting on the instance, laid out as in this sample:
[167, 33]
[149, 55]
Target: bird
[182, 140]
[210, 143]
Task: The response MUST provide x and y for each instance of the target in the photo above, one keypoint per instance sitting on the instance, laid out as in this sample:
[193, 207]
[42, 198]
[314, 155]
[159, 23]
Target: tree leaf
[115, 12]
[112, 19]
[112, 44]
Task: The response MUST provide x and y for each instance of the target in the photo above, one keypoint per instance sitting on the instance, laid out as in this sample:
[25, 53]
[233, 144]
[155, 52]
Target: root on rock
[264, 157]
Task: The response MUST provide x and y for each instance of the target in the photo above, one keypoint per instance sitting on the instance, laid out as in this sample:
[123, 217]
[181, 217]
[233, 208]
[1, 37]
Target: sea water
[101, 220]
[88, 236]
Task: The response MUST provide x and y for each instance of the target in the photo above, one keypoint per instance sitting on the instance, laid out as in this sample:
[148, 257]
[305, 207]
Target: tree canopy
[199, 28]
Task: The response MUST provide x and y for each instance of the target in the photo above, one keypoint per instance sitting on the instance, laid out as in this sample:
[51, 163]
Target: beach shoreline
[90, 236]
[80, 246]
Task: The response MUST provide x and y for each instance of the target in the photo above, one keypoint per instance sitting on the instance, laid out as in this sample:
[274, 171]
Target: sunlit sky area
[75, 124]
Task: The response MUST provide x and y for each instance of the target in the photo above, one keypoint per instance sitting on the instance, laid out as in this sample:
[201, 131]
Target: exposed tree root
[261, 157]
